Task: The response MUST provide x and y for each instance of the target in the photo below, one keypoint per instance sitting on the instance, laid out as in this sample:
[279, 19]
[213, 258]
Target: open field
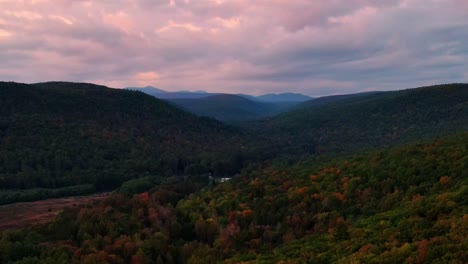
[25, 214]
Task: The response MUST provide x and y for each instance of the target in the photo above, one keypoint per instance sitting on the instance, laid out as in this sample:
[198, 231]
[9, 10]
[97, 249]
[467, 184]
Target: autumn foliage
[370, 208]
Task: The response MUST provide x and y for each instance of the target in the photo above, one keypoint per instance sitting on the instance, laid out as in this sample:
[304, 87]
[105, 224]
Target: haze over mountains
[162, 94]
[227, 107]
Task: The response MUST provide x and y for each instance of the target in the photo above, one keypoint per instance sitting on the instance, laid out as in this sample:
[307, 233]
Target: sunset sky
[313, 47]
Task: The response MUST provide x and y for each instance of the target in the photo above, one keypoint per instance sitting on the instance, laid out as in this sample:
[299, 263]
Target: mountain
[270, 98]
[162, 94]
[184, 95]
[231, 108]
[58, 134]
[283, 97]
[363, 121]
[399, 205]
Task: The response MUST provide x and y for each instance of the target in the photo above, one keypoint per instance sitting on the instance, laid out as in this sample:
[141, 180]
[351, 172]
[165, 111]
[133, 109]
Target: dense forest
[56, 135]
[345, 124]
[376, 177]
[401, 205]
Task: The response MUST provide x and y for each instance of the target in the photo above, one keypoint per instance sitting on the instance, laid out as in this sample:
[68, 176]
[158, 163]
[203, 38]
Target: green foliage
[346, 124]
[11, 196]
[139, 185]
[54, 135]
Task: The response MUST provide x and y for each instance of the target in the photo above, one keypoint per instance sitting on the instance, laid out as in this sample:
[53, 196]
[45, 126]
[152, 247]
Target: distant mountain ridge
[162, 94]
[227, 107]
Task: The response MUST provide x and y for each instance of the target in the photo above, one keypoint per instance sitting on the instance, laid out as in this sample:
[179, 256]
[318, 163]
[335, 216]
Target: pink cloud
[147, 78]
[121, 20]
[5, 34]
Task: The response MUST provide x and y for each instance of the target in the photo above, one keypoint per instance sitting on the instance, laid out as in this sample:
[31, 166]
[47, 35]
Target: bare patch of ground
[20, 215]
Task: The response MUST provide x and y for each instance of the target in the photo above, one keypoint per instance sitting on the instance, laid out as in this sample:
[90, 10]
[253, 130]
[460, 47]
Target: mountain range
[162, 94]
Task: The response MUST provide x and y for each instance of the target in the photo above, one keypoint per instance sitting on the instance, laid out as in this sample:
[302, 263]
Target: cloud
[314, 47]
[62, 19]
[145, 78]
[176, 26]
[5, 34]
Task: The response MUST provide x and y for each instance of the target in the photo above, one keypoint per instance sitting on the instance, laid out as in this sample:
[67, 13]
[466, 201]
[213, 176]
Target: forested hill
[333, 99]
[72, 101]
[60, 134]
[368, 120]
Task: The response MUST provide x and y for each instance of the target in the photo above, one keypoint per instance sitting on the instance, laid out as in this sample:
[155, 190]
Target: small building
[225, 179]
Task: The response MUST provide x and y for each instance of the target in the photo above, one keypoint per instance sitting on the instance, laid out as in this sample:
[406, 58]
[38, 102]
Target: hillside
[400, 205]
[231, 108]
[62, 134]
[350, 123]
[333, 99]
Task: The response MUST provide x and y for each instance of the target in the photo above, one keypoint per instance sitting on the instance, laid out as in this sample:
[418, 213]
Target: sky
[314, 47]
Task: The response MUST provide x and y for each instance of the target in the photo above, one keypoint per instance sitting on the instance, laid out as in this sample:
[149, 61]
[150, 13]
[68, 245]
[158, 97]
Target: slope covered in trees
[402, 205]
[61, 134]
[333, 99]
[364, 121]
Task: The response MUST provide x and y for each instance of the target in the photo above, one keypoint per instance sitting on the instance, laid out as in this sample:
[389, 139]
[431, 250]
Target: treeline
[406, 204]
[34, 194]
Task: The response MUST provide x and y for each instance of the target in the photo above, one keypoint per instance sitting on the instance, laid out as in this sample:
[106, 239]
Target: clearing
[19, 215]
